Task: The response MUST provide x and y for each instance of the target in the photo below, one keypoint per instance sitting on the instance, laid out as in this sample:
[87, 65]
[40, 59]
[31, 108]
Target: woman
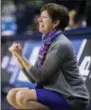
[59, 85]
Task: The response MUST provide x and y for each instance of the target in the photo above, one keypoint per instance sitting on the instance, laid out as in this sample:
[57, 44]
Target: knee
[11, 95]
[20, 98]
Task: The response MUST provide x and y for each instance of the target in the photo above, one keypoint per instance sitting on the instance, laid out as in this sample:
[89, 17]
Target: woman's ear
[56, 23]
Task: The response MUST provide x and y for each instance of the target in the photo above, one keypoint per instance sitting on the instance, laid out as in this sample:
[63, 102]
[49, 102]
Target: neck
[48, 35]
[45, 35]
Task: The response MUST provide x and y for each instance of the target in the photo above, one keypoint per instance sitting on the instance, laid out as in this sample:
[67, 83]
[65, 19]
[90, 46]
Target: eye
[44, 16]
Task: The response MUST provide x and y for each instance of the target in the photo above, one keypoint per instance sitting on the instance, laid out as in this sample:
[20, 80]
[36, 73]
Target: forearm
[25, 66]
[16, 50]
[20, 63]
[18, 60]
[25, 63]
[22, 67]
[31, 70]
[28, 75]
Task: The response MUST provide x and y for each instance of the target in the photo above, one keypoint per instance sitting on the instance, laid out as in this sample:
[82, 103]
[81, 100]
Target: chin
[42, 31]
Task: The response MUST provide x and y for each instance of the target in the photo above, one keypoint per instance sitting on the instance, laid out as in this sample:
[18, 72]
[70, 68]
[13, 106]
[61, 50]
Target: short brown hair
[57, 12]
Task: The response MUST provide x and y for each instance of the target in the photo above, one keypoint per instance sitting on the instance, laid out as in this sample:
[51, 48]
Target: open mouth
[41, 26]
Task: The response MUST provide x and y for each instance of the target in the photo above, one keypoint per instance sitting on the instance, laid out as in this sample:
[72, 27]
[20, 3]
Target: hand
[16, 49]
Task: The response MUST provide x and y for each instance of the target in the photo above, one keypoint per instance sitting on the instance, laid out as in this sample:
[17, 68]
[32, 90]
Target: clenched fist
[16, 49]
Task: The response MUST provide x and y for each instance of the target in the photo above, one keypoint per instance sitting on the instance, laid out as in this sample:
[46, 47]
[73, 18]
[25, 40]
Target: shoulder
[61, 42]
[62, 46]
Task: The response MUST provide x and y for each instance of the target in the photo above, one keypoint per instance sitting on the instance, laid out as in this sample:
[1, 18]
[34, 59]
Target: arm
[51, 64]
[23, 68]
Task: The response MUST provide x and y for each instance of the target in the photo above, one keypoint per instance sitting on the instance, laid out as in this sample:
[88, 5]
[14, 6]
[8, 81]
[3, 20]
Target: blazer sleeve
[51, 64]
[27, 74]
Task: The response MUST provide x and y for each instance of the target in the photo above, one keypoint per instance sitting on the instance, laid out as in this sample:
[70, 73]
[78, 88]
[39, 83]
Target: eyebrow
[43, 15]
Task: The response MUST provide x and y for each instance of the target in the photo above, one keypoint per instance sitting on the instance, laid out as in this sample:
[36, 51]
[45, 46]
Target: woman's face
[45, 23]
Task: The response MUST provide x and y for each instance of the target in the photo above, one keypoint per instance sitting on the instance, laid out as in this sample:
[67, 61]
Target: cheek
[48, 24]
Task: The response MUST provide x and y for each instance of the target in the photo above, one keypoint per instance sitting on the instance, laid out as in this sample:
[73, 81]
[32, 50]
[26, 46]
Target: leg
[27, 99]
[11, 97]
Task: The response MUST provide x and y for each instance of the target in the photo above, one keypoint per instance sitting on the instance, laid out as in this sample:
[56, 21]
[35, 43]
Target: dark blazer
[60, 73]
